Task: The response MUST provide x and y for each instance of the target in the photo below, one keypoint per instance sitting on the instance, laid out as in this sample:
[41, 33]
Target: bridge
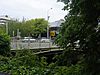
[49, 53]
[42, 51]
[38, 47]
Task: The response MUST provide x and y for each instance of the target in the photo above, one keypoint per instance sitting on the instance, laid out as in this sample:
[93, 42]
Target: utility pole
[48, 22]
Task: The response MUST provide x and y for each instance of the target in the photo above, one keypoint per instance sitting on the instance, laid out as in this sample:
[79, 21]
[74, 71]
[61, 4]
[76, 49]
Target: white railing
[19, 44]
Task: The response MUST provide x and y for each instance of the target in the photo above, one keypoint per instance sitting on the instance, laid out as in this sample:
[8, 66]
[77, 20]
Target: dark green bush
[26, 63]
[4, 44]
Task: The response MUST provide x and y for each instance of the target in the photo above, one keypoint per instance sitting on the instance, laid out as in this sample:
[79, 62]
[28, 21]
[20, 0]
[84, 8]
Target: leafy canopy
[4, 43]
[32, 27]
[80, 34]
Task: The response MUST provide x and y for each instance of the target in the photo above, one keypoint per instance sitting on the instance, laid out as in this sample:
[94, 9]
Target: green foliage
[79, 35]
[39, 26]
[32, 27]
[2, 28]
[13, 25]
[72, 27]
[4, 44]
[23, 63]
[26, 63]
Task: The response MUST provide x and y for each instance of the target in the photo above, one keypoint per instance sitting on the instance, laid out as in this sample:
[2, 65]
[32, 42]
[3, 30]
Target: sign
[52, 33]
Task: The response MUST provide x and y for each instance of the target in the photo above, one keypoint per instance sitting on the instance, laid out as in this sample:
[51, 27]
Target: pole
[48, 32]
[48, 22]
[6, 28]
[13, 33]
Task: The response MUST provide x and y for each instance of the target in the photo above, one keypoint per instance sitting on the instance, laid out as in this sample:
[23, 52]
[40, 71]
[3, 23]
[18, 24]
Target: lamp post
[6, 27]
[48, 20]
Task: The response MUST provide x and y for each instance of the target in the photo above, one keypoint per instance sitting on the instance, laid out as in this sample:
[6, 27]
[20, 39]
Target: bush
[26, 63]
[4, 44]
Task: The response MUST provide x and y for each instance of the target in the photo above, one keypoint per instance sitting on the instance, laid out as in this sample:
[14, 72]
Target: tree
[80, 33]
[13, 25]
[26, 28]
[32, 27]
[4, 44]
[39, 26]
[2, 28]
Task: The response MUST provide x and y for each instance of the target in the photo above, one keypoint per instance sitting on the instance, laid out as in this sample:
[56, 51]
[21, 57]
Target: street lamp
[48, 16]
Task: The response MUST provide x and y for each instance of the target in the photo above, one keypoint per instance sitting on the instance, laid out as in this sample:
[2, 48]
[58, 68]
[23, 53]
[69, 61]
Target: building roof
[56, 23]
[4, 18]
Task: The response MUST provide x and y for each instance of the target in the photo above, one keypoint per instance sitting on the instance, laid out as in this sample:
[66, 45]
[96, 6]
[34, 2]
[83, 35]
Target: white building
[4, 19]
[55, 26]
[4, 22]
[56, 23]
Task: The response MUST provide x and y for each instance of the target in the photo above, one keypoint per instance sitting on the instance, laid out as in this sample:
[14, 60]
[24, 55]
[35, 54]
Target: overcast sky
[32, 9]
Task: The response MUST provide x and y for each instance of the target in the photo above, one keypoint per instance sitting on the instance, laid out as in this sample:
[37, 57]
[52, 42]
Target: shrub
[4, 44]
